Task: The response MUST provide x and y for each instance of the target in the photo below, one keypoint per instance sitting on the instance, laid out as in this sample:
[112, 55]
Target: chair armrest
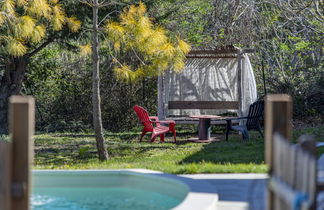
[155, 118]
[235, 118]
[168, 121]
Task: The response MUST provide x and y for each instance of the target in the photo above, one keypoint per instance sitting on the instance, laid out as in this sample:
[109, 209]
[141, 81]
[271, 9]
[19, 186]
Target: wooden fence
[16, 155]
[292, 167]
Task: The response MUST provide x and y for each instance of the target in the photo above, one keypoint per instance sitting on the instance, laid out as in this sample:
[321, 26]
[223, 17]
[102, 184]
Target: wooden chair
[152, 124]
[252, 121]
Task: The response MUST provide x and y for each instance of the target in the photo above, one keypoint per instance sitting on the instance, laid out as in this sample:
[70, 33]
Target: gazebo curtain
[210, 79]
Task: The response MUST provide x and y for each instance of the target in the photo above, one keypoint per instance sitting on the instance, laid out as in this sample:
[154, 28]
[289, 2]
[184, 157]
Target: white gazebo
[213, 82]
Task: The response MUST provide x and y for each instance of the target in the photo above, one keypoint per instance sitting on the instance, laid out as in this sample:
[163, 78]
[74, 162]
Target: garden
[83, 101]
[89, 63]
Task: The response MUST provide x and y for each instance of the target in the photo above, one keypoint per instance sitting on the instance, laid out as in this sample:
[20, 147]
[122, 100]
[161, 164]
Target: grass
[78, 151]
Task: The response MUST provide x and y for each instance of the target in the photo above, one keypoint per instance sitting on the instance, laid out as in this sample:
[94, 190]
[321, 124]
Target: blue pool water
[104, 190]
[104, 198]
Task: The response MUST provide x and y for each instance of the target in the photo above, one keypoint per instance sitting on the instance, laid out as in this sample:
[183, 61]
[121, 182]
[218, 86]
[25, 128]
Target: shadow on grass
[74, 135]
[68, 149]
[124, 136]
[81, 151]
[235, 151]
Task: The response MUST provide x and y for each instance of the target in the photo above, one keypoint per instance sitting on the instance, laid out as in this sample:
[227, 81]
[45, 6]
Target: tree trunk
[11, 83]
[97, 122]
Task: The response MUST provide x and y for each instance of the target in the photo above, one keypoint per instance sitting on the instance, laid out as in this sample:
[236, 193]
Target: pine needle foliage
[24, 23]
[85, 49]
[150, 49]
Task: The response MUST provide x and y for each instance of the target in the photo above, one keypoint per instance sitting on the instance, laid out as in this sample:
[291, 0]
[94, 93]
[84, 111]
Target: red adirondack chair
[152, 124]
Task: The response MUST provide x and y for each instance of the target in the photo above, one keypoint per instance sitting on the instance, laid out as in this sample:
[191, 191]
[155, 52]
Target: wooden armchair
[153, 124]
[252, 121]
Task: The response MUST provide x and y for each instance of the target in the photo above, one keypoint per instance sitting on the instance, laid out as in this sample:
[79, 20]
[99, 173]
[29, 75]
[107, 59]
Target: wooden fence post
[21, 127]
[5, 174]
[278, 119]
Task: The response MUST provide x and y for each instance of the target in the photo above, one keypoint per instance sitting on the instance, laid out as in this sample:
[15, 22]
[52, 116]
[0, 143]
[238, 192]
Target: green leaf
[301, 45]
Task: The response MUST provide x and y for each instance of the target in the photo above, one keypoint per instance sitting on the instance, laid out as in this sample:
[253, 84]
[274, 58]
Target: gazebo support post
[239, 81]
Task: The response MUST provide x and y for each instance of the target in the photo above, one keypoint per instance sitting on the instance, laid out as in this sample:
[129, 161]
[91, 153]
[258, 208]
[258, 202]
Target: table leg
[204, 129]
[228, 128]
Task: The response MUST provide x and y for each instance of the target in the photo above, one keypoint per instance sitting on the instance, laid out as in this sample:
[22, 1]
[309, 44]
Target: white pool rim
[200, 196]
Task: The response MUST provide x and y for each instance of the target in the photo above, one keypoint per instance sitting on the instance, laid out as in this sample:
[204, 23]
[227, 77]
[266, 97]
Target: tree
[96, 105]
[153, 51]
[27, 26]
[97, 121]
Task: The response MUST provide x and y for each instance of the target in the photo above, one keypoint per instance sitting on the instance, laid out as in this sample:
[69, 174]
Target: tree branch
[89, 3]
[39, 48]
[108, 15]
[105, 4]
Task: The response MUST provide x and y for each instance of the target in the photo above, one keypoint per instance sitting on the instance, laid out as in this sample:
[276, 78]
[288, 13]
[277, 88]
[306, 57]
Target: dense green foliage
[287, 36]
[62, 87]
[59, 88]
[27, 27]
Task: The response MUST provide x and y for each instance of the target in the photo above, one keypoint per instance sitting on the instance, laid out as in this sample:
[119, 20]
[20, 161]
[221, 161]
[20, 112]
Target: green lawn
[77, 151]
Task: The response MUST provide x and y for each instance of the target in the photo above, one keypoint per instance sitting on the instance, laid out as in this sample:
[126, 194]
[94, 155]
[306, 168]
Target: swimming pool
[115, 189]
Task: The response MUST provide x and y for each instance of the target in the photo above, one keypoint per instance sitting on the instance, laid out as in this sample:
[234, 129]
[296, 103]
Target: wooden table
[204, 127]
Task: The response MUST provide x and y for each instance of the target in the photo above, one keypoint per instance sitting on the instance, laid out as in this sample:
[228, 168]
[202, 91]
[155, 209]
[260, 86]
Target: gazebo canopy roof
[228, 51]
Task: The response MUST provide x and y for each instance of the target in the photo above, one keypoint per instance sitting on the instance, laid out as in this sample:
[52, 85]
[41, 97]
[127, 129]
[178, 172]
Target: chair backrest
[143, 116]
[255, 114]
